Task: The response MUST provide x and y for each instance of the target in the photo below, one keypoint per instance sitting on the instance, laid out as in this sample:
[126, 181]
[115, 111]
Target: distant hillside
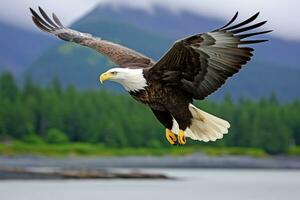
[162, 21]
[3, 67]
[260, 79]
[20, 47]
[153, 34]
[177, 25]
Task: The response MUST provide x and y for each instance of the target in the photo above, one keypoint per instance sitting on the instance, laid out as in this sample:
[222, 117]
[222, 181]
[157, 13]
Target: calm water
[193, 184]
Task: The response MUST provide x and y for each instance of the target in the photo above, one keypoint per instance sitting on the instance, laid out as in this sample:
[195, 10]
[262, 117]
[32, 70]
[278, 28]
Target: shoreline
[197, 160]
[131, 167]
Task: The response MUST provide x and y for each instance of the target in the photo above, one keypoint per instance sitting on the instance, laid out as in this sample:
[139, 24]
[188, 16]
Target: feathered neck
[132, 80]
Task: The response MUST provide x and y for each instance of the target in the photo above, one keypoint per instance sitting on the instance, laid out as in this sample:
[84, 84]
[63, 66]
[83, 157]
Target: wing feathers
[252, 41]
[249, 27]
[120, 55]
[230, 22]
[57, 21]
[38, 18]
[40, 25]
[251, 19]
[252, 34]
[207, 60]
[46, 17]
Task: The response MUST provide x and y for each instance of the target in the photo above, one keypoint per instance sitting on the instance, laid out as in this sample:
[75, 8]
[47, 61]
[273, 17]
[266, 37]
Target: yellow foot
[181, 137]
[171, 137]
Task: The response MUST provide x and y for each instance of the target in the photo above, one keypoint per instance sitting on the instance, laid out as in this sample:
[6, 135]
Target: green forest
[56, 115]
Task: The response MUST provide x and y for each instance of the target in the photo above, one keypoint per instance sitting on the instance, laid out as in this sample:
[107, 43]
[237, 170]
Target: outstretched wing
[120, 55]
[201, 63]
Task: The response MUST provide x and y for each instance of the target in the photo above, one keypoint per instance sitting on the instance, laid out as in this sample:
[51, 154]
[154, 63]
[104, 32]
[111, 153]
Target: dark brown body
[166, 102]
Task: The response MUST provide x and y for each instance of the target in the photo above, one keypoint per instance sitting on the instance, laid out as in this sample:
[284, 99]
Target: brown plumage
[193, 68]
[117, 53]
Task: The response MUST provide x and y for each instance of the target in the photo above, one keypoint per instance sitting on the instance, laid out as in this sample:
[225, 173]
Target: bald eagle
[193, 68]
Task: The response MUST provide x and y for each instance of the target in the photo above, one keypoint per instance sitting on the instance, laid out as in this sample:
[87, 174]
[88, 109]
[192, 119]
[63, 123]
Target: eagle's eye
[114, 72]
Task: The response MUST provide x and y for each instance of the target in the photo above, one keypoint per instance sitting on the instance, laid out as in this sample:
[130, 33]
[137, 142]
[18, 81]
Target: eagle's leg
[183, 118]
[166, 119]
[181, 137]
[171, 137]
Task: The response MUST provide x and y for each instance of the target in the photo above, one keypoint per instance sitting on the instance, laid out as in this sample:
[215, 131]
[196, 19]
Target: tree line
[116, 120]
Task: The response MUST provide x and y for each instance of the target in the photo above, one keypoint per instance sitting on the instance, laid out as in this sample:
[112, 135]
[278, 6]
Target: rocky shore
[198, 160]
[63, 173]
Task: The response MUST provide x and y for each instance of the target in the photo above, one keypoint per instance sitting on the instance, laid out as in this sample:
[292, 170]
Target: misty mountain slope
[259, 79]
[177, 25]
[3, 67]
[162, 21]
[20, 47]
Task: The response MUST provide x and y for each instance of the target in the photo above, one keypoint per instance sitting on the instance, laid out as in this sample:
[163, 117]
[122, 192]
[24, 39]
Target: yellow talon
[171, 137]
[181, 137]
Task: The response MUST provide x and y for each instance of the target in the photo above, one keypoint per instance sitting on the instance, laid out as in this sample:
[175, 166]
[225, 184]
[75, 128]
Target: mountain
[3, 67]
[161, 20]
[260, 79]
[19, 47]
[152, 34]
[176, 25]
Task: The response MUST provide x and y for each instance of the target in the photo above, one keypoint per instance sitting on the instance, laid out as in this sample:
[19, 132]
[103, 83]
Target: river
[208, 184]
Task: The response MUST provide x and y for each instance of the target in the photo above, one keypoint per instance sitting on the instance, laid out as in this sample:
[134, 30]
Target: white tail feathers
[204, 127]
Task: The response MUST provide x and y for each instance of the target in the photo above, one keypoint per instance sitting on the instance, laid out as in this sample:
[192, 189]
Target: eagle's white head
[132, 79]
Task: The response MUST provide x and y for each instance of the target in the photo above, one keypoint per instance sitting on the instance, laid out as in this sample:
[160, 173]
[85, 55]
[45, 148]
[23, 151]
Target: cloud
[17, 12]
[282, 15]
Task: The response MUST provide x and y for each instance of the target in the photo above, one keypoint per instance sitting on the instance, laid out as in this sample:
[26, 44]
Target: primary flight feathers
[117, 53]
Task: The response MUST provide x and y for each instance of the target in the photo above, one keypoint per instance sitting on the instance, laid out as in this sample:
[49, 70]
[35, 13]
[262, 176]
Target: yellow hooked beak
[105, 76]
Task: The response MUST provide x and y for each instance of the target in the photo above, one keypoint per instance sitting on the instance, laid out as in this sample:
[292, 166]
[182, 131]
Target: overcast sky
[282, 15]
